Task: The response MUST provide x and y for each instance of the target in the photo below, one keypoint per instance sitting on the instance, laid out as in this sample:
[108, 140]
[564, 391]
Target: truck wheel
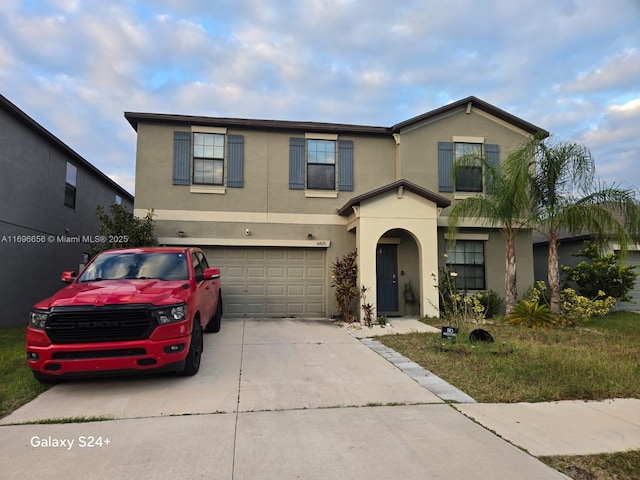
[192, 362]
[214, 324]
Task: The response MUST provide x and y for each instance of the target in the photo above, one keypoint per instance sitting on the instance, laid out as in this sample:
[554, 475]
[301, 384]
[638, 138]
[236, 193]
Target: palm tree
[505, 205]
[565, 196]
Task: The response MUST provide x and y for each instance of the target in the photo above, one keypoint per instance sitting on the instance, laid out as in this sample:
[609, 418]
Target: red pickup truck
[133, 310]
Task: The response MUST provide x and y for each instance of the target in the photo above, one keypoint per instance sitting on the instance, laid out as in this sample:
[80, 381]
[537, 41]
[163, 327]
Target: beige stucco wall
[419, 143]
[412, 213]
[266, 175]
[278, 216]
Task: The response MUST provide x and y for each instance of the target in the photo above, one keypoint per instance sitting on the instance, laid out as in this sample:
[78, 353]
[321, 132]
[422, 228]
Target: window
[468, 168]
[118, 200]
[469, 176]
[208, 159]
[70, 186]
[198, 267]
[467, 261]
[321, 164]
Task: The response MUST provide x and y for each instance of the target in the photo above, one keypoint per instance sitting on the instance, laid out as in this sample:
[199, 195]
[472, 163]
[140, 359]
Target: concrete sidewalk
[543, 429]
[274, 399]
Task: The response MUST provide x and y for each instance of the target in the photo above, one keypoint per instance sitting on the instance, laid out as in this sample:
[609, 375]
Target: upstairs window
[208, 159]
[468, 175]
[468, 167]
[70, 186]
[321, 164]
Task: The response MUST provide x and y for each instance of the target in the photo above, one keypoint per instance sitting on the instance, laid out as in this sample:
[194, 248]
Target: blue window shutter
[345, 165]
[181, 158]
[492, 156]
[445, 166]
[296, 163]
[235, 163]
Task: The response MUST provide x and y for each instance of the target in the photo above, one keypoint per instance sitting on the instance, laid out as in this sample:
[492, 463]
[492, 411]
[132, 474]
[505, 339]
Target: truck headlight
[171, 314]
[38, 319]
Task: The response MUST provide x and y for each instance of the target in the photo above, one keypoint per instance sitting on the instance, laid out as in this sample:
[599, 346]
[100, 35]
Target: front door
[387, 277]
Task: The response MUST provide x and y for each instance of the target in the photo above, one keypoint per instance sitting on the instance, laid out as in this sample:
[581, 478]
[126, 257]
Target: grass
[607, 466]
[17, 385]
[594, 362]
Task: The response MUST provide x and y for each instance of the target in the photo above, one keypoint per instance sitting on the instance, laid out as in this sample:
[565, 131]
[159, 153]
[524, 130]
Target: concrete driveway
[274, 399]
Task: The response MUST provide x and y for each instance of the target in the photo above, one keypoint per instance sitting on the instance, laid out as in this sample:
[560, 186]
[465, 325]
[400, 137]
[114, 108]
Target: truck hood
[118, 292]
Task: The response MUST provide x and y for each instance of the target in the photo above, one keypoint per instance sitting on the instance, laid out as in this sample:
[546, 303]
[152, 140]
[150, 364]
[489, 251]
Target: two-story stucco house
[274, 203]
[48, 199]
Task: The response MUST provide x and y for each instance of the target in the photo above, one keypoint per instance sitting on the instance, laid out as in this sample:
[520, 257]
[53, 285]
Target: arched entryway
[398, 282]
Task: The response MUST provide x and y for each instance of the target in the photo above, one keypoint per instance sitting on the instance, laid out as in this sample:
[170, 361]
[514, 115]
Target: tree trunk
[510, 284]
[553, 276]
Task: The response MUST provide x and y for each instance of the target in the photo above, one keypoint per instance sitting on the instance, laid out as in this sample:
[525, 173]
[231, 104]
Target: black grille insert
[121, 352]
[101, 324]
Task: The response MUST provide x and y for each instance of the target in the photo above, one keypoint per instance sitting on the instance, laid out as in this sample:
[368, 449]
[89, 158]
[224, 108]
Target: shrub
[601, 273]
[344, 276]
[576, 308]
[491, 302]
[458, 306]
[529, 313]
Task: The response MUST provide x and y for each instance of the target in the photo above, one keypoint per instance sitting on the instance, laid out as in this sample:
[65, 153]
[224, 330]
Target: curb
[425, 378]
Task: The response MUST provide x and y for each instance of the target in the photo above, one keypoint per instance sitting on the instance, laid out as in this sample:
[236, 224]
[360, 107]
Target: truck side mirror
[68, 277]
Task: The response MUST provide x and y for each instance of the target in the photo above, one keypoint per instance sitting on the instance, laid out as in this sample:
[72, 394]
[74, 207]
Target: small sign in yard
[449, 333]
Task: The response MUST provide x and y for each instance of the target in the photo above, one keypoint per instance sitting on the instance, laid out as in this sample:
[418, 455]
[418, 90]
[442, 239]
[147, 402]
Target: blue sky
[569, 66]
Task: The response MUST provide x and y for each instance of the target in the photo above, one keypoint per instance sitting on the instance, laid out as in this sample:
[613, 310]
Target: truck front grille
[100, 324]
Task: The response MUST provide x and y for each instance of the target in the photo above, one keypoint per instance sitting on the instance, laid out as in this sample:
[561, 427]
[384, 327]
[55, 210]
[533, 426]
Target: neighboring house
[48, 199]
[274, 203]
[571, 244]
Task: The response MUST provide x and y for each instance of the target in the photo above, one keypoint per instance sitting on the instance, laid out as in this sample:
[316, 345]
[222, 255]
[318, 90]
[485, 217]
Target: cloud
[570, 67]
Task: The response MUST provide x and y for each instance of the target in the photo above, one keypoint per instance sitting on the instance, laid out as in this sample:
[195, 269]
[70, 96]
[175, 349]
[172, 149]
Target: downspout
[398, 159]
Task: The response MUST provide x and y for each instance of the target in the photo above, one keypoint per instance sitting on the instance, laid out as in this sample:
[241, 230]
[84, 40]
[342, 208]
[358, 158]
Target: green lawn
[597, 361]
[17, 385]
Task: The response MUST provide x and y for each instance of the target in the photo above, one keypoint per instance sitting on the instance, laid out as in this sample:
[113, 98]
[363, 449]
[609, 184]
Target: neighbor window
[208, 159]
[321, 164]
[466, 260]
[70, 186]
[468, 167]
[118, 200]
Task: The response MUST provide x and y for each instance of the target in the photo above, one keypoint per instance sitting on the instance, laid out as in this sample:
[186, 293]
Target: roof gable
[439, 200]
[468, 103]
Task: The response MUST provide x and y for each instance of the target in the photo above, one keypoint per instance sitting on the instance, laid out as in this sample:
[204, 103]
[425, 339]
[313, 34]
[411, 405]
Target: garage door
[271, 282]
[632, 258]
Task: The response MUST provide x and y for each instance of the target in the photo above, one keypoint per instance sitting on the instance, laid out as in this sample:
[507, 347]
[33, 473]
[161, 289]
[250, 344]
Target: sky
[571, 67]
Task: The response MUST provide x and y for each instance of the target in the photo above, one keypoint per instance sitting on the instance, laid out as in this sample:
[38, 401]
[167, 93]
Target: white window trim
[195, 188]
[200, 129]
[460, 139]
[321, 136]
[321, 194]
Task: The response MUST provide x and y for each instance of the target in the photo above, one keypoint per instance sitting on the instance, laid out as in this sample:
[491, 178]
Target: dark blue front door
[387, 277]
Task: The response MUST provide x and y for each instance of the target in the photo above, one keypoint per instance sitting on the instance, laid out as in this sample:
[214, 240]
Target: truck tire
[214, 324]
[192, 362]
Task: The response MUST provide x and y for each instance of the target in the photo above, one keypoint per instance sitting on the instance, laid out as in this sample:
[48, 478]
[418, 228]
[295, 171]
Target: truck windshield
[139, 265]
